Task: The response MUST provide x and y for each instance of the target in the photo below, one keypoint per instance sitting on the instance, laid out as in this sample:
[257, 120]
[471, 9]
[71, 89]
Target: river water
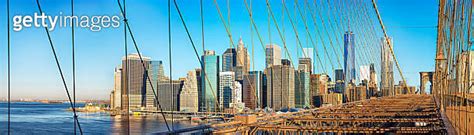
[39, 118]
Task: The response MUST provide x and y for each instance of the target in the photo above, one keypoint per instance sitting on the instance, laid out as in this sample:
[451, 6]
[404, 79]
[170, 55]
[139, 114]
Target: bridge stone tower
[424, 78]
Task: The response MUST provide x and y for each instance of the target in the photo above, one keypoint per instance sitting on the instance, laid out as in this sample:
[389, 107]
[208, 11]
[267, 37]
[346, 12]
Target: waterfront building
[189, 93]
[209, 82]
[116, 95]
[280, 87]
[134, 82]
[387, 81]
[156, 74]
[168, 94]
[272, 55]
[252, 89]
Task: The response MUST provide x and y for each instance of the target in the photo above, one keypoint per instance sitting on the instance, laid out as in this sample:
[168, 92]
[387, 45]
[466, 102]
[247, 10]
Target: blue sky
[34, 73]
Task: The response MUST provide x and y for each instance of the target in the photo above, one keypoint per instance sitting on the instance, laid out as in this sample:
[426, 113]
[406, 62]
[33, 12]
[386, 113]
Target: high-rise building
[364, 73]
[252, 89]
[280, 87]
[168, 94]
[272, 55]
[237, 97]
[243, 61]
[226, 85]
[209, 81]
[189, 93]
[306, 62]
[314, 90]
[229, 60]
[302, 92]
[349, 62]
[387, 82]
[323, 84]
[134, 82]
[309, 53]
[156, 74]
[339, 79]
[116, 102]
[349, 58]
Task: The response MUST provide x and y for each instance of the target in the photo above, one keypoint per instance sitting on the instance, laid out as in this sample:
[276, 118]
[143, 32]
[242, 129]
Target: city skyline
[97, 57]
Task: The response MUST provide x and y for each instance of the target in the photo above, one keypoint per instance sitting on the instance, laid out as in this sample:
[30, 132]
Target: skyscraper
[252, 89]
[280, 87]
[306, 62]
[339, 79]
[309, 53]
[302, 93]
[156, 72]
[226, 85]
[387, 82]
[189, 93]
[168, 94]
[229, 60]
[243, 61]
[349, 62]
[135, 79]
[364, 73]
[116, 103]
[272, 55]
[209, 80]
[349, 58]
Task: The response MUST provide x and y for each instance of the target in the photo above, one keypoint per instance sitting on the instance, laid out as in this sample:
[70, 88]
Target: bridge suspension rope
[61, 72]
[127, 25]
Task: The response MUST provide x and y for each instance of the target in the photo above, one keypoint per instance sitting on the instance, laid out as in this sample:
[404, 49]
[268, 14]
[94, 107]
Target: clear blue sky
[34, 73]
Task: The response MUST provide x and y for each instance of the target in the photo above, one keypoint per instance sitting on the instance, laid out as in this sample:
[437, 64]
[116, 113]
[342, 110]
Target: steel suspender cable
[197, 54]
[8, 64]
[171, 68]
[73, 64]
[143, 65]
[126, 68]
[60, 70]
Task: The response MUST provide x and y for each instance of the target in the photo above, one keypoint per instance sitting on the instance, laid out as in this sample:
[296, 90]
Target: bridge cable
[8, 63]
[60, 71]
[171, 67]
[143, 64]
[127, 73]
[73, 64]
[389, 43]
[196, 53]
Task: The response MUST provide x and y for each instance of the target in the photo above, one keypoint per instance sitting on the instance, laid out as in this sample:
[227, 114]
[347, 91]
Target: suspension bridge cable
[389, 43]
[279, 32]
[60, 71]
[229, 33]
[307, 31]
[127, 25]
[196, 52]
[171, 63]
[327, 33]
[73, 63]
[126, 69]
[8, 68]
